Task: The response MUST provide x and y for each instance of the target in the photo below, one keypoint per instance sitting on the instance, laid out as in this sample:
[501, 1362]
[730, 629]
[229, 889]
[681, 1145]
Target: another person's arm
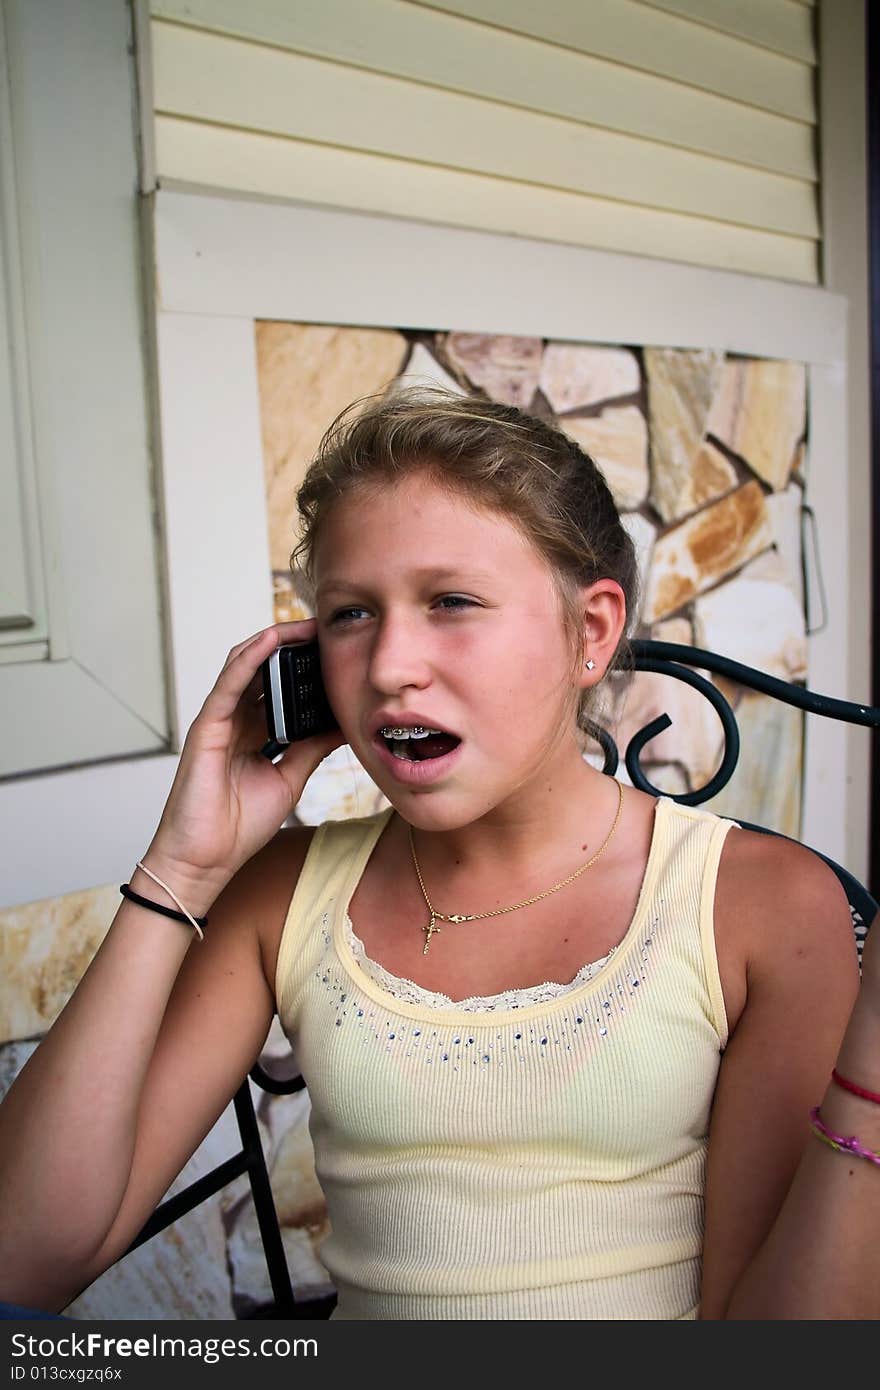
[792, 1227]
[821, 1259]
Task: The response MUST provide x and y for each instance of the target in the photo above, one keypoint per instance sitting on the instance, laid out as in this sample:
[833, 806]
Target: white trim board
[272, 260]
[216, 536]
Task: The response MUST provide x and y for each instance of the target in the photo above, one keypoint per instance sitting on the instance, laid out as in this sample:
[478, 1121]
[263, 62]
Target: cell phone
[295, 699]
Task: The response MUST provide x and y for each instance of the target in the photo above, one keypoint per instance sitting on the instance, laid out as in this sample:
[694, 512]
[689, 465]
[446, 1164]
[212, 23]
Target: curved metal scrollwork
[677, 661]
[276, 1085]
[656, 726]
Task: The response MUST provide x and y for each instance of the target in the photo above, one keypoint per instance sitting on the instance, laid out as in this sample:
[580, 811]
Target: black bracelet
[157, 907]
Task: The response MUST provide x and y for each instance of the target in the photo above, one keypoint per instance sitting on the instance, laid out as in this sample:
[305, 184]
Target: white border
[222, 263]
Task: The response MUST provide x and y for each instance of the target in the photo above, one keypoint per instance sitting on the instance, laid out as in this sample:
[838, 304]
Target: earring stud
[589, 664]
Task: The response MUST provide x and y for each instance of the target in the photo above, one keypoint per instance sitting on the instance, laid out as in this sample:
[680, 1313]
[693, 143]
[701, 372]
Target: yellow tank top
[538, 1162]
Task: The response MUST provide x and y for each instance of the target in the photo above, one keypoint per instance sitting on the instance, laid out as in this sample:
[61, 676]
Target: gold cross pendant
[429, 932]
[443, 917]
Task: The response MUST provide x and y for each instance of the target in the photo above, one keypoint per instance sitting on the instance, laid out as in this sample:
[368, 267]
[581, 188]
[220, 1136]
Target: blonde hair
[494, 456]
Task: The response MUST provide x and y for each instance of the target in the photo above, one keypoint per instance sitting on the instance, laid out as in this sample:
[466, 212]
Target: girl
[561, 1040]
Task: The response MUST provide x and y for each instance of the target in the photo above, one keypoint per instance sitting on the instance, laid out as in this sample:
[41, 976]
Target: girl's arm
[792, 1227]
[162, 1029]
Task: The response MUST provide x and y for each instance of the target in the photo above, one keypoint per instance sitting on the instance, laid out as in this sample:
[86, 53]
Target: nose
[399, 657]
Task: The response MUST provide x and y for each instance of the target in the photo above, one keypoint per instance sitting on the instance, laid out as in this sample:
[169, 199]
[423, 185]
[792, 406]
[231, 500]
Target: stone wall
[705, 457]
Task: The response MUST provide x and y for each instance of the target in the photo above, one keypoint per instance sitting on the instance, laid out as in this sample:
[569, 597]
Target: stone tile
[677, 630]
[617, 441]
[696, 554]
[712, 475]
[731, 690]
[760, 413]
[593, 755]
[423, 369]
[766, 786]
[298, 1196]
[681, 388]
[503, 366]
[769, 566]
[669, 778]
[574, 376]
[784, 509]
[13, 1056]
[756, 619]
[642, 533]
[339, 789]
[45, 948]
[252, 1287]
[287, 604]
[307, 374]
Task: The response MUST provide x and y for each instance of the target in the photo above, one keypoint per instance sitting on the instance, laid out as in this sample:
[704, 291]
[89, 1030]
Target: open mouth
[417, 744]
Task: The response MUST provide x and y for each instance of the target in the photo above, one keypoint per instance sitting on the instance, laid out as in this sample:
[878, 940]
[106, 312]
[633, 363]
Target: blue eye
[453, 602]
[346, 615]
[446, 603]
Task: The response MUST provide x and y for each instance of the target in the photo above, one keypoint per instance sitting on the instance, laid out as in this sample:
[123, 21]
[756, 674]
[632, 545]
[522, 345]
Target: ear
[603, 609]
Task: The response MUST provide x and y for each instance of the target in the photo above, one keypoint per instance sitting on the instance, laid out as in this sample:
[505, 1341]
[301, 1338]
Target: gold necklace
[436, 916]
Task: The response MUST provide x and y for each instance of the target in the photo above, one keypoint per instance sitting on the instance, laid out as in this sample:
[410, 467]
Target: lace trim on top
[411, 993]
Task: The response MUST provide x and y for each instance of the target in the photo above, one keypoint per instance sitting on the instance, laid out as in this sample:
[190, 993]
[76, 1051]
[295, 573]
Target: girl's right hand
[227, 800]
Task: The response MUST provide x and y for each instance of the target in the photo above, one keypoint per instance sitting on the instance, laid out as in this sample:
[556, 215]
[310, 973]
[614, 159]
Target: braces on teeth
[398, 732]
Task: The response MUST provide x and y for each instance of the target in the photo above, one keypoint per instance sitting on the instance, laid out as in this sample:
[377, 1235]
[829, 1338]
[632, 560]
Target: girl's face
[433, 614]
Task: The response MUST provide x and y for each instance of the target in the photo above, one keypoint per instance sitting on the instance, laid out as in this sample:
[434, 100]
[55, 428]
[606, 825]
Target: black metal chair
[666, 658]
[252, 1161]
[670, 659]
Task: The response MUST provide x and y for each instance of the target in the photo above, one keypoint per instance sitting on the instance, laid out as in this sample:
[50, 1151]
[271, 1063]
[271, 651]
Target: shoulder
[782, 913]
[247, 918]
[764, 878]
[267, 882]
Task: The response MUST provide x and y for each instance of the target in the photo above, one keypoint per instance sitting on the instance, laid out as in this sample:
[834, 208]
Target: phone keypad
[305, 707]
[307, 714]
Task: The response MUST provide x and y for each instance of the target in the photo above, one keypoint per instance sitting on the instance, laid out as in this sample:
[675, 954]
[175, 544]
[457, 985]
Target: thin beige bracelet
[188, 915]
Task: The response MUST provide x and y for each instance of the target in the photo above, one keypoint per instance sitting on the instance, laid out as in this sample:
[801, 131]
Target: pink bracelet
[838, 1142]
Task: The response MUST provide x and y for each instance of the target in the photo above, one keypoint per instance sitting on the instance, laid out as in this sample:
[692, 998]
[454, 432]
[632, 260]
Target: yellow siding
[259, 164]
[678, 128]
[630, 32]
[784, 26]
[406, 40]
